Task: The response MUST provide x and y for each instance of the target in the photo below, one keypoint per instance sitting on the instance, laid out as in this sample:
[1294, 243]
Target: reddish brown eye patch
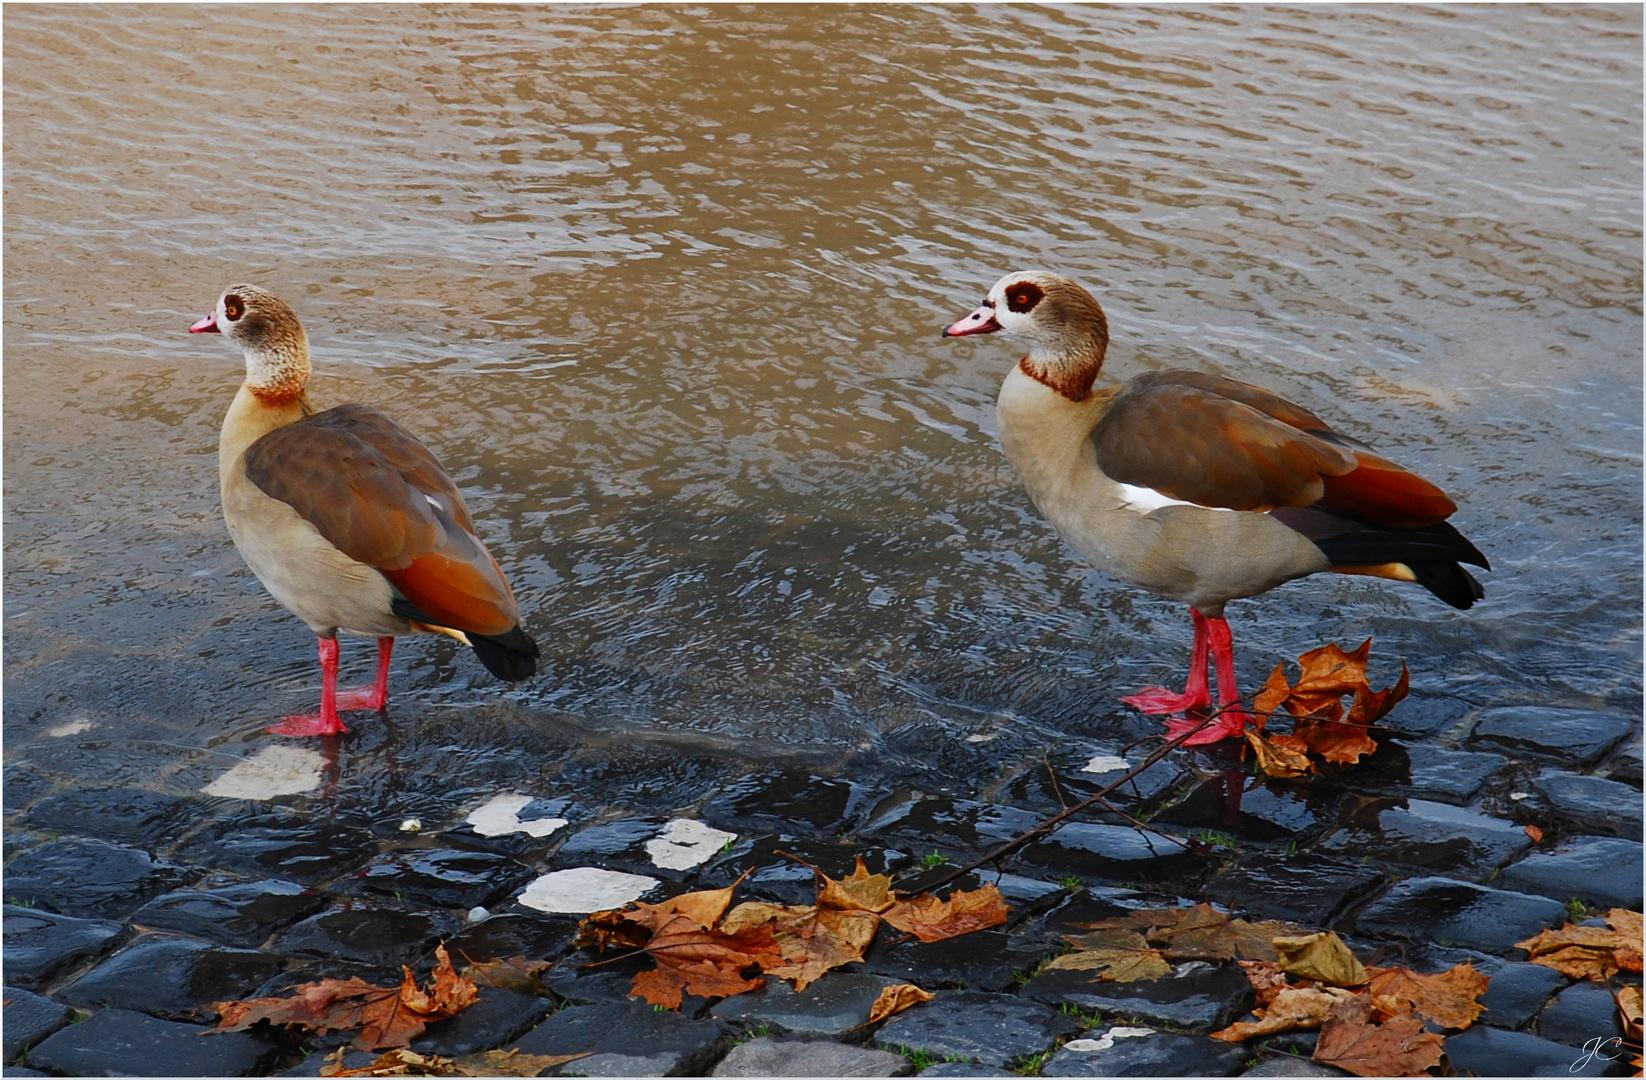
[1024, 296]
[233, 307]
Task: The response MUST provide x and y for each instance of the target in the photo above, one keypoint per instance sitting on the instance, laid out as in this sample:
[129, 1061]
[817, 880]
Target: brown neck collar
[1073, 381]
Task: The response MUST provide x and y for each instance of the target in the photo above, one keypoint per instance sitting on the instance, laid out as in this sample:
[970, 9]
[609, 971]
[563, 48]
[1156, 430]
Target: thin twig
[1051, 824]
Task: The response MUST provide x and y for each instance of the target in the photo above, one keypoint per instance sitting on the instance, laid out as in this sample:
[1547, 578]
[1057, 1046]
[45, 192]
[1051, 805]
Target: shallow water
[663, 285]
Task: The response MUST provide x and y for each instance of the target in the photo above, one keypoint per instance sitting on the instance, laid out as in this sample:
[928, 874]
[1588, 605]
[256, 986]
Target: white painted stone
[685, 843]
[73, 727]
[1103, 763]
[280, 769]
[1087, 1046]
[585, 889]
[501, 816]
[983, 738]
[478, 914]
[412, 824]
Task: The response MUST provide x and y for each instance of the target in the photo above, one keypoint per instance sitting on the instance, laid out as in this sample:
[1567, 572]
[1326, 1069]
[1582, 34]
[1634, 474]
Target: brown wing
[1218, 442]
[379, 496]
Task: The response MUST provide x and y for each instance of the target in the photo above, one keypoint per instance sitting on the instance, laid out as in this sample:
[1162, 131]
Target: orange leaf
[669, 983]
[931, 919]
[1292, 1009]
[1371, 706]
[1399, 1047]
[387, 1017]
[1535, 833]
[1590, 952]
[894, 999]
[1271, 697]
[1447, 998]
[860, 892]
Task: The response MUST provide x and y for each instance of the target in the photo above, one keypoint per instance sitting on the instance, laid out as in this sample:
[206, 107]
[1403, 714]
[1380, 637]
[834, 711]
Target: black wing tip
[512, 657]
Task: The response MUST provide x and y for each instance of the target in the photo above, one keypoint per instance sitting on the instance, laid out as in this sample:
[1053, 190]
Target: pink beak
[208, 325]
[981, 321]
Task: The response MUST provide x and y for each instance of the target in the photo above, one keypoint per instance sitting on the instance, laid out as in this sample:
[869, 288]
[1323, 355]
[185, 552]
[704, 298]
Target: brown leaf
[894, 999]
[1322, 957]
[1266, 978]
[511, 1063]
[809, 940]
[1114, 954]
[490, 1063]
[1590, 952]
[1371, 706]
[1273, 695]
[931, 919]
[1292, 1009]
[668, 984]
[516, 973]
[387, 1017]
[1398, 1047]
[860, 892]
[1629, 1009]
[1282, 756]
[1338, 741]
[1447, 998]
[1535, 833]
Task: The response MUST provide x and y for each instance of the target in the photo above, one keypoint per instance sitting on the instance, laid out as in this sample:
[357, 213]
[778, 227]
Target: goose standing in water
[347, 519]
[1200, 488]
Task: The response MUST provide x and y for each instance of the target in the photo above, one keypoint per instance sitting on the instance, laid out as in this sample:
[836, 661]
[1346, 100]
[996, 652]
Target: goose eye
[1024, 296]
[233, 307]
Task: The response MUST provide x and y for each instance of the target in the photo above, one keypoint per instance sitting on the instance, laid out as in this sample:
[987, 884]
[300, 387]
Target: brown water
[663, 285]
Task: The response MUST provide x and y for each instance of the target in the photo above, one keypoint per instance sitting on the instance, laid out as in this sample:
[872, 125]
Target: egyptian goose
[1200, 488]
[347, 519]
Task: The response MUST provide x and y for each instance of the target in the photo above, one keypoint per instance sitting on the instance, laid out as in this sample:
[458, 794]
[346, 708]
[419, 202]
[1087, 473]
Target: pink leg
[326, 721]
[1197, 694]
[376, 696]
[1232, 719]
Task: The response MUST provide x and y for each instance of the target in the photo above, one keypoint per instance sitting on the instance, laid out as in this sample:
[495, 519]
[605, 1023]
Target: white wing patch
[1142, 500]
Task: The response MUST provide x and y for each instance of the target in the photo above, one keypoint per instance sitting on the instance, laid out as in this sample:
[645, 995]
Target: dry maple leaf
[862, 891]
[1322, 957]
[1292, 1009]
[1398, 1047]
[490, 1063]
[894, 999]
[1316, 702]
[1629, 1009]
[515, 973]
[387, 1017]
[931, 919]
[1282, 756]
[1590, 952]
[1447, 998]
[1114, 955]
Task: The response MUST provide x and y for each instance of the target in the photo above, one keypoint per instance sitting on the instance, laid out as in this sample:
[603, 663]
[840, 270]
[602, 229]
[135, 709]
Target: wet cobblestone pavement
[129, 912]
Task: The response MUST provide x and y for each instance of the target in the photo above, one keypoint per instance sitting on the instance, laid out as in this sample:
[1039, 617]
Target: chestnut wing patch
[1189, 442]
[360, 479]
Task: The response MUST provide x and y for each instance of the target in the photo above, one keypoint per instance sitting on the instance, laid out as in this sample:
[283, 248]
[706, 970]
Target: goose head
[269, 333]
[1060, 321]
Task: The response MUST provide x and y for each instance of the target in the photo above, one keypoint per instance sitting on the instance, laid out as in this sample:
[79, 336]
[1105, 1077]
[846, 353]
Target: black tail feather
[1432, 553]
[1450, 582]
[511, 656]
